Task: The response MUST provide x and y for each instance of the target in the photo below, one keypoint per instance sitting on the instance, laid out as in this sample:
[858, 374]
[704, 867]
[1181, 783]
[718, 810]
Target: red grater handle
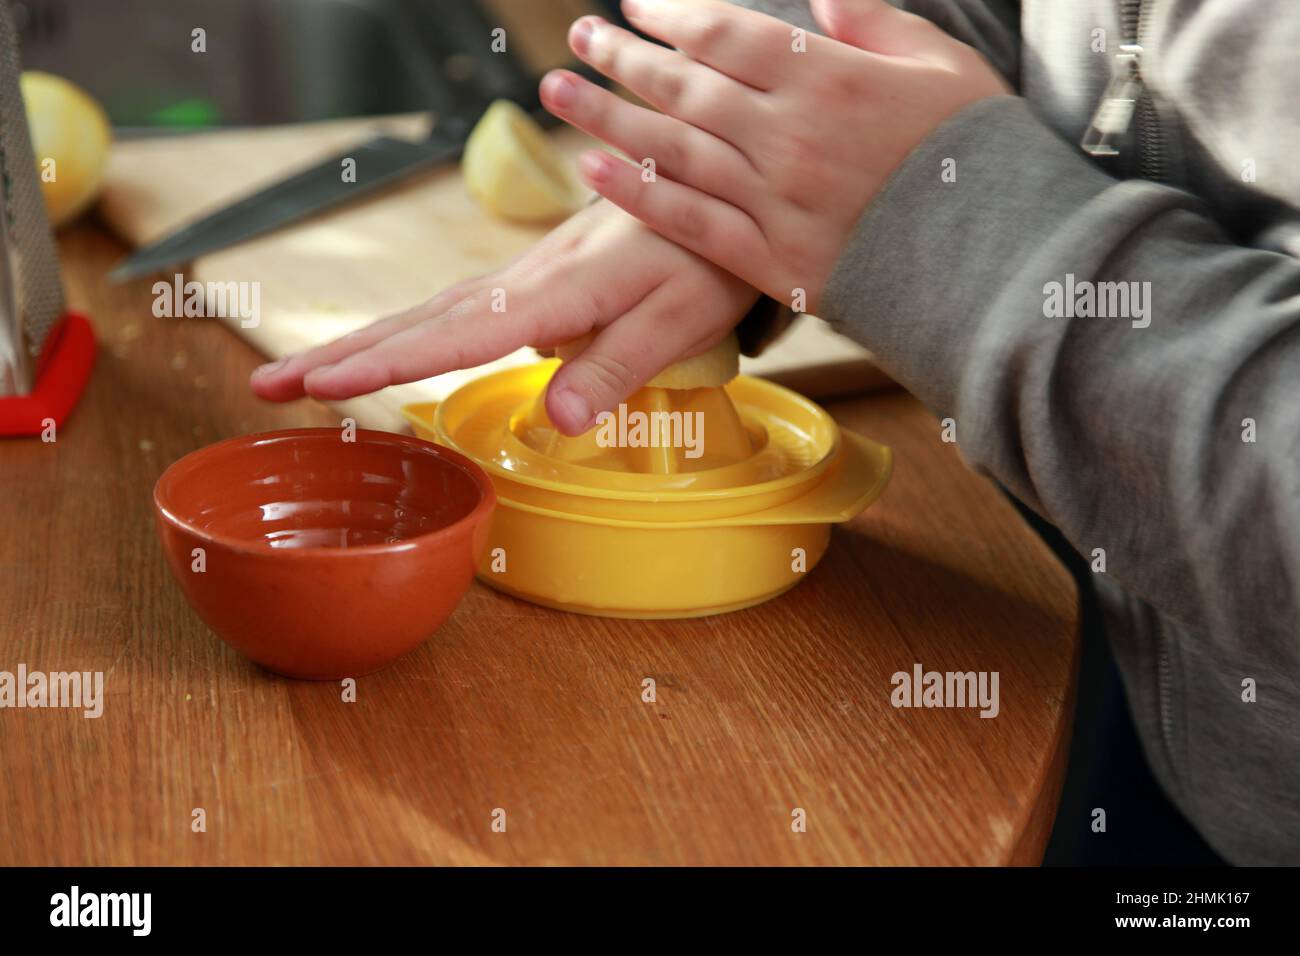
[61, 374]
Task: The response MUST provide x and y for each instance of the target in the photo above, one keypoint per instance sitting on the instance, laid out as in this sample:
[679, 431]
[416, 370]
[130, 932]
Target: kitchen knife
[379, 162]
[456, 30]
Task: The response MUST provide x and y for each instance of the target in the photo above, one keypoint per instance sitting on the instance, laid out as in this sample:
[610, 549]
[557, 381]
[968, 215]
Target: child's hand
[764, 157]
[651, 301]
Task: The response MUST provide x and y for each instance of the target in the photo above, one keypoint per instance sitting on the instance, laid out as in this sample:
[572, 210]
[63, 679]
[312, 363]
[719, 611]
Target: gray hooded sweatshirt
[1164, 436]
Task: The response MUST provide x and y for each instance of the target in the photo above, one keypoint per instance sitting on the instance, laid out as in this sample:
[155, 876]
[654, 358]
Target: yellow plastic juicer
[683, 503]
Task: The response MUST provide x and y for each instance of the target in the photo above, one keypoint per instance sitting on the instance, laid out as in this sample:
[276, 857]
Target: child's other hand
[764, 156]
[650, 301]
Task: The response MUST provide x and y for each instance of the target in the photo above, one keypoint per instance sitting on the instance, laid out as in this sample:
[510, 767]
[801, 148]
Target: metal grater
[31, 291]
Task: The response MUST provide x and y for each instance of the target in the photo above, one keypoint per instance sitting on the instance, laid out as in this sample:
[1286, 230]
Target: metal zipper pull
[1114, 113]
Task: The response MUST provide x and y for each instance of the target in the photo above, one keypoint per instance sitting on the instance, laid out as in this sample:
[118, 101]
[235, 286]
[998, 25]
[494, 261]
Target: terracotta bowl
[320, 558]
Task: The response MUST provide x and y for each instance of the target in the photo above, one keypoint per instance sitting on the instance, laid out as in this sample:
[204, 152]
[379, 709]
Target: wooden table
[510, 706]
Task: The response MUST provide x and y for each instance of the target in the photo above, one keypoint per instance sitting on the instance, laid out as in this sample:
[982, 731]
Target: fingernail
[581, 34]
[270, 367]
[560, 89]
[572, 407]
[595, 166]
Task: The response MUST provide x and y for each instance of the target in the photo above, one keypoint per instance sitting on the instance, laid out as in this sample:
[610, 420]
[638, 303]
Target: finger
[878, 27]
[718, 231]
[749, 47]
[680, 151]
[471, 333]
[282, 381]
[625, 355]
[664, 78]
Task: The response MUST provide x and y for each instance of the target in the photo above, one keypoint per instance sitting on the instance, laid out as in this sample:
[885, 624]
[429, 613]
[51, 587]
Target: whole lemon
[70, 137]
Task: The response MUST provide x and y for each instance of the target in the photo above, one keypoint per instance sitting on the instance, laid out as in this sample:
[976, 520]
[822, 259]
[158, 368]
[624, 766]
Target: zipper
[1136, 17]
[1150, 136]
[1126, 94]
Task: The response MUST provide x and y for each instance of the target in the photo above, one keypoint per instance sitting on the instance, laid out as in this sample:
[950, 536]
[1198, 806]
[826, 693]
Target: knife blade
[380, 162]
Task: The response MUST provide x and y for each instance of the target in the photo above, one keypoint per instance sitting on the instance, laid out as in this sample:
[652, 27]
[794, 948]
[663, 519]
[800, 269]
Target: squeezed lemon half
[513, 171]
[712, 368]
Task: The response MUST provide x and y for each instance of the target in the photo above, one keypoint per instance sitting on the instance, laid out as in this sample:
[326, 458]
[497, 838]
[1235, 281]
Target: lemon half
[513, 171]
[712, 368]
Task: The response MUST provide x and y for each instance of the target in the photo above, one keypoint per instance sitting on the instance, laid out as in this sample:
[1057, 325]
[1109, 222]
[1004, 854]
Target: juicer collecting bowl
[618, 528]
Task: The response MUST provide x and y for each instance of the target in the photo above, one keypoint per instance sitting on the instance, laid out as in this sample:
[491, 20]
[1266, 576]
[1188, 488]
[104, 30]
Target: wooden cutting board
[339, 271]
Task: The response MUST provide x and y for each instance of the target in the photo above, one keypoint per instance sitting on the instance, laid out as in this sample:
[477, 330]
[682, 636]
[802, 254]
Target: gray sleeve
[990, 26]
[1169, 439]
[791, 11]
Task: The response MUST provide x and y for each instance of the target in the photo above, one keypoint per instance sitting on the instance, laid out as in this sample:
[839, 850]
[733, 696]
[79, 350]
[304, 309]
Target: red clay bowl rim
[487, 495]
